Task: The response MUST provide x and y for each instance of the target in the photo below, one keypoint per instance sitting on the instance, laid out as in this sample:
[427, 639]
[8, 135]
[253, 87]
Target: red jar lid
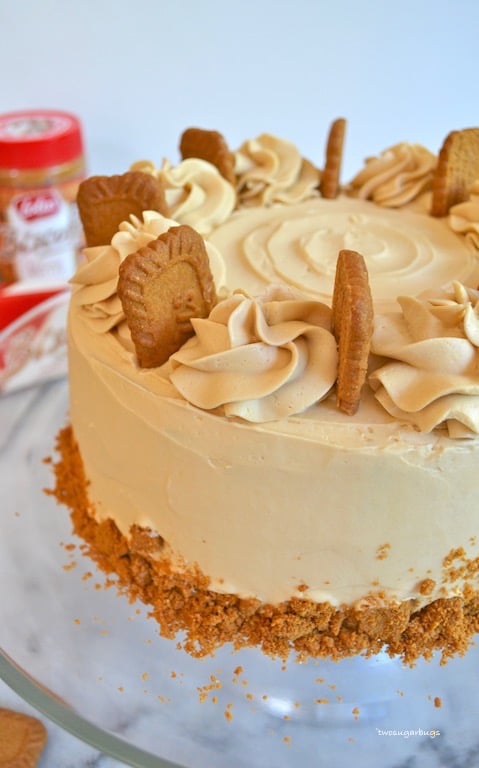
[39, 139]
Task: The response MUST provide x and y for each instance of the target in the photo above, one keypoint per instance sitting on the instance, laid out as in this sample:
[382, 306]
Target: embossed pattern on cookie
[22, 739]
[330, 176]
[210, 146]
[352, 326]
[105, 201]
[457, 170]
[161, 287]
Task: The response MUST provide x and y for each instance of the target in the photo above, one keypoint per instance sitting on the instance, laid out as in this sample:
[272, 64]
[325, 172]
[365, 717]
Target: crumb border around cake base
[182, 601]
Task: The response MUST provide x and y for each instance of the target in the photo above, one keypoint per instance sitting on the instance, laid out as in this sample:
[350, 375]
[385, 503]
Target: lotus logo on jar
[45, 236]
[37, 205]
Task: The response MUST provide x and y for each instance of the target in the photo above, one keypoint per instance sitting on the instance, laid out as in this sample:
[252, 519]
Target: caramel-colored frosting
[434, 377]
[396, 177]
[261, 359]
[195, 191]
[297, 246]
[264, 509]
[464, 217]
[271, 170]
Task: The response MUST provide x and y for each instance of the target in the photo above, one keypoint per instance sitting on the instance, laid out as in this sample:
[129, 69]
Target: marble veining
[104, 659]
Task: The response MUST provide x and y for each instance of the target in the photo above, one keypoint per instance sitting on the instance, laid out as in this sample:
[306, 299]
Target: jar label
[42, 235]
[37, 205]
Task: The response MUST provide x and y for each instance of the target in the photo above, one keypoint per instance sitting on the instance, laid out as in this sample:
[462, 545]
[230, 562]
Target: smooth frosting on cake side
[234, 450]
[264, 509]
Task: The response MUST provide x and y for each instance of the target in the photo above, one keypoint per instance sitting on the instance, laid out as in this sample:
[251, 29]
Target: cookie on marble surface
[22, 739]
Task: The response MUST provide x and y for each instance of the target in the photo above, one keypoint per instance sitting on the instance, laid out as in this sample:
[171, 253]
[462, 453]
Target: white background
[138, 72]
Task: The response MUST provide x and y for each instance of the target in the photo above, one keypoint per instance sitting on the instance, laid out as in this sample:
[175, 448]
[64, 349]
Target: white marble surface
[87, 645]
[62, 750]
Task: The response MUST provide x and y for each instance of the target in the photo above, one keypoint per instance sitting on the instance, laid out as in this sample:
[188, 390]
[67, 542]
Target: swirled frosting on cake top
[274, 229]
[261, 359]
[297, 246]
[195, 192]
[272, 170]
[397, 177]
[433, 378]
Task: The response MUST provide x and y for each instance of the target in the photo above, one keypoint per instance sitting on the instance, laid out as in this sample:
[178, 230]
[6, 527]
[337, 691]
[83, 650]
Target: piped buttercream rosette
[396, 177]
[259, 359]
[271, 170]
[433, 377]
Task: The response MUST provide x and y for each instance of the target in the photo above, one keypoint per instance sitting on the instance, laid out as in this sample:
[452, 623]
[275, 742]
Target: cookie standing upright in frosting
[210, 146]
[330, 177]
[163, 286]
[457, 170]
[105, 201]
[353, 327]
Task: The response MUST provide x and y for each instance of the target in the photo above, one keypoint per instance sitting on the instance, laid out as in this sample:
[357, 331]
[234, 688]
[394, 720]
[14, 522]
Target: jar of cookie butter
[41, 165]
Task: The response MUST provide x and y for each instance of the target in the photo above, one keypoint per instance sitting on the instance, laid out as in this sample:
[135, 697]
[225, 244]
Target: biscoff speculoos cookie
[352, 326]
[210, 146]
[22, 739]
[105, 201]
[457, 170]
[330, 175]
[161, 287]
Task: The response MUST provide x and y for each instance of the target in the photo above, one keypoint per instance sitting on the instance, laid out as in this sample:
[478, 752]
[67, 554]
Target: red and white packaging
[41, 166]
[33, 346]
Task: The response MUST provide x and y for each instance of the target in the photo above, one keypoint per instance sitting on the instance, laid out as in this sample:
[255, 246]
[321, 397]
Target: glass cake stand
[95, 664]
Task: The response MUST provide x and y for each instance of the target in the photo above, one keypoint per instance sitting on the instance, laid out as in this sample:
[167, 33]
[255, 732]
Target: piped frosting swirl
[259, 359]
[433, 377]
[272, 170]
[297, 247]
[195, 192]
[396, 177]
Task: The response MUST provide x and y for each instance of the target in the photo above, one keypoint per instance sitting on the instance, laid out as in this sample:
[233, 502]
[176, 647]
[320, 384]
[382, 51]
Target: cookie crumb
[382, 552]
[426, 586]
